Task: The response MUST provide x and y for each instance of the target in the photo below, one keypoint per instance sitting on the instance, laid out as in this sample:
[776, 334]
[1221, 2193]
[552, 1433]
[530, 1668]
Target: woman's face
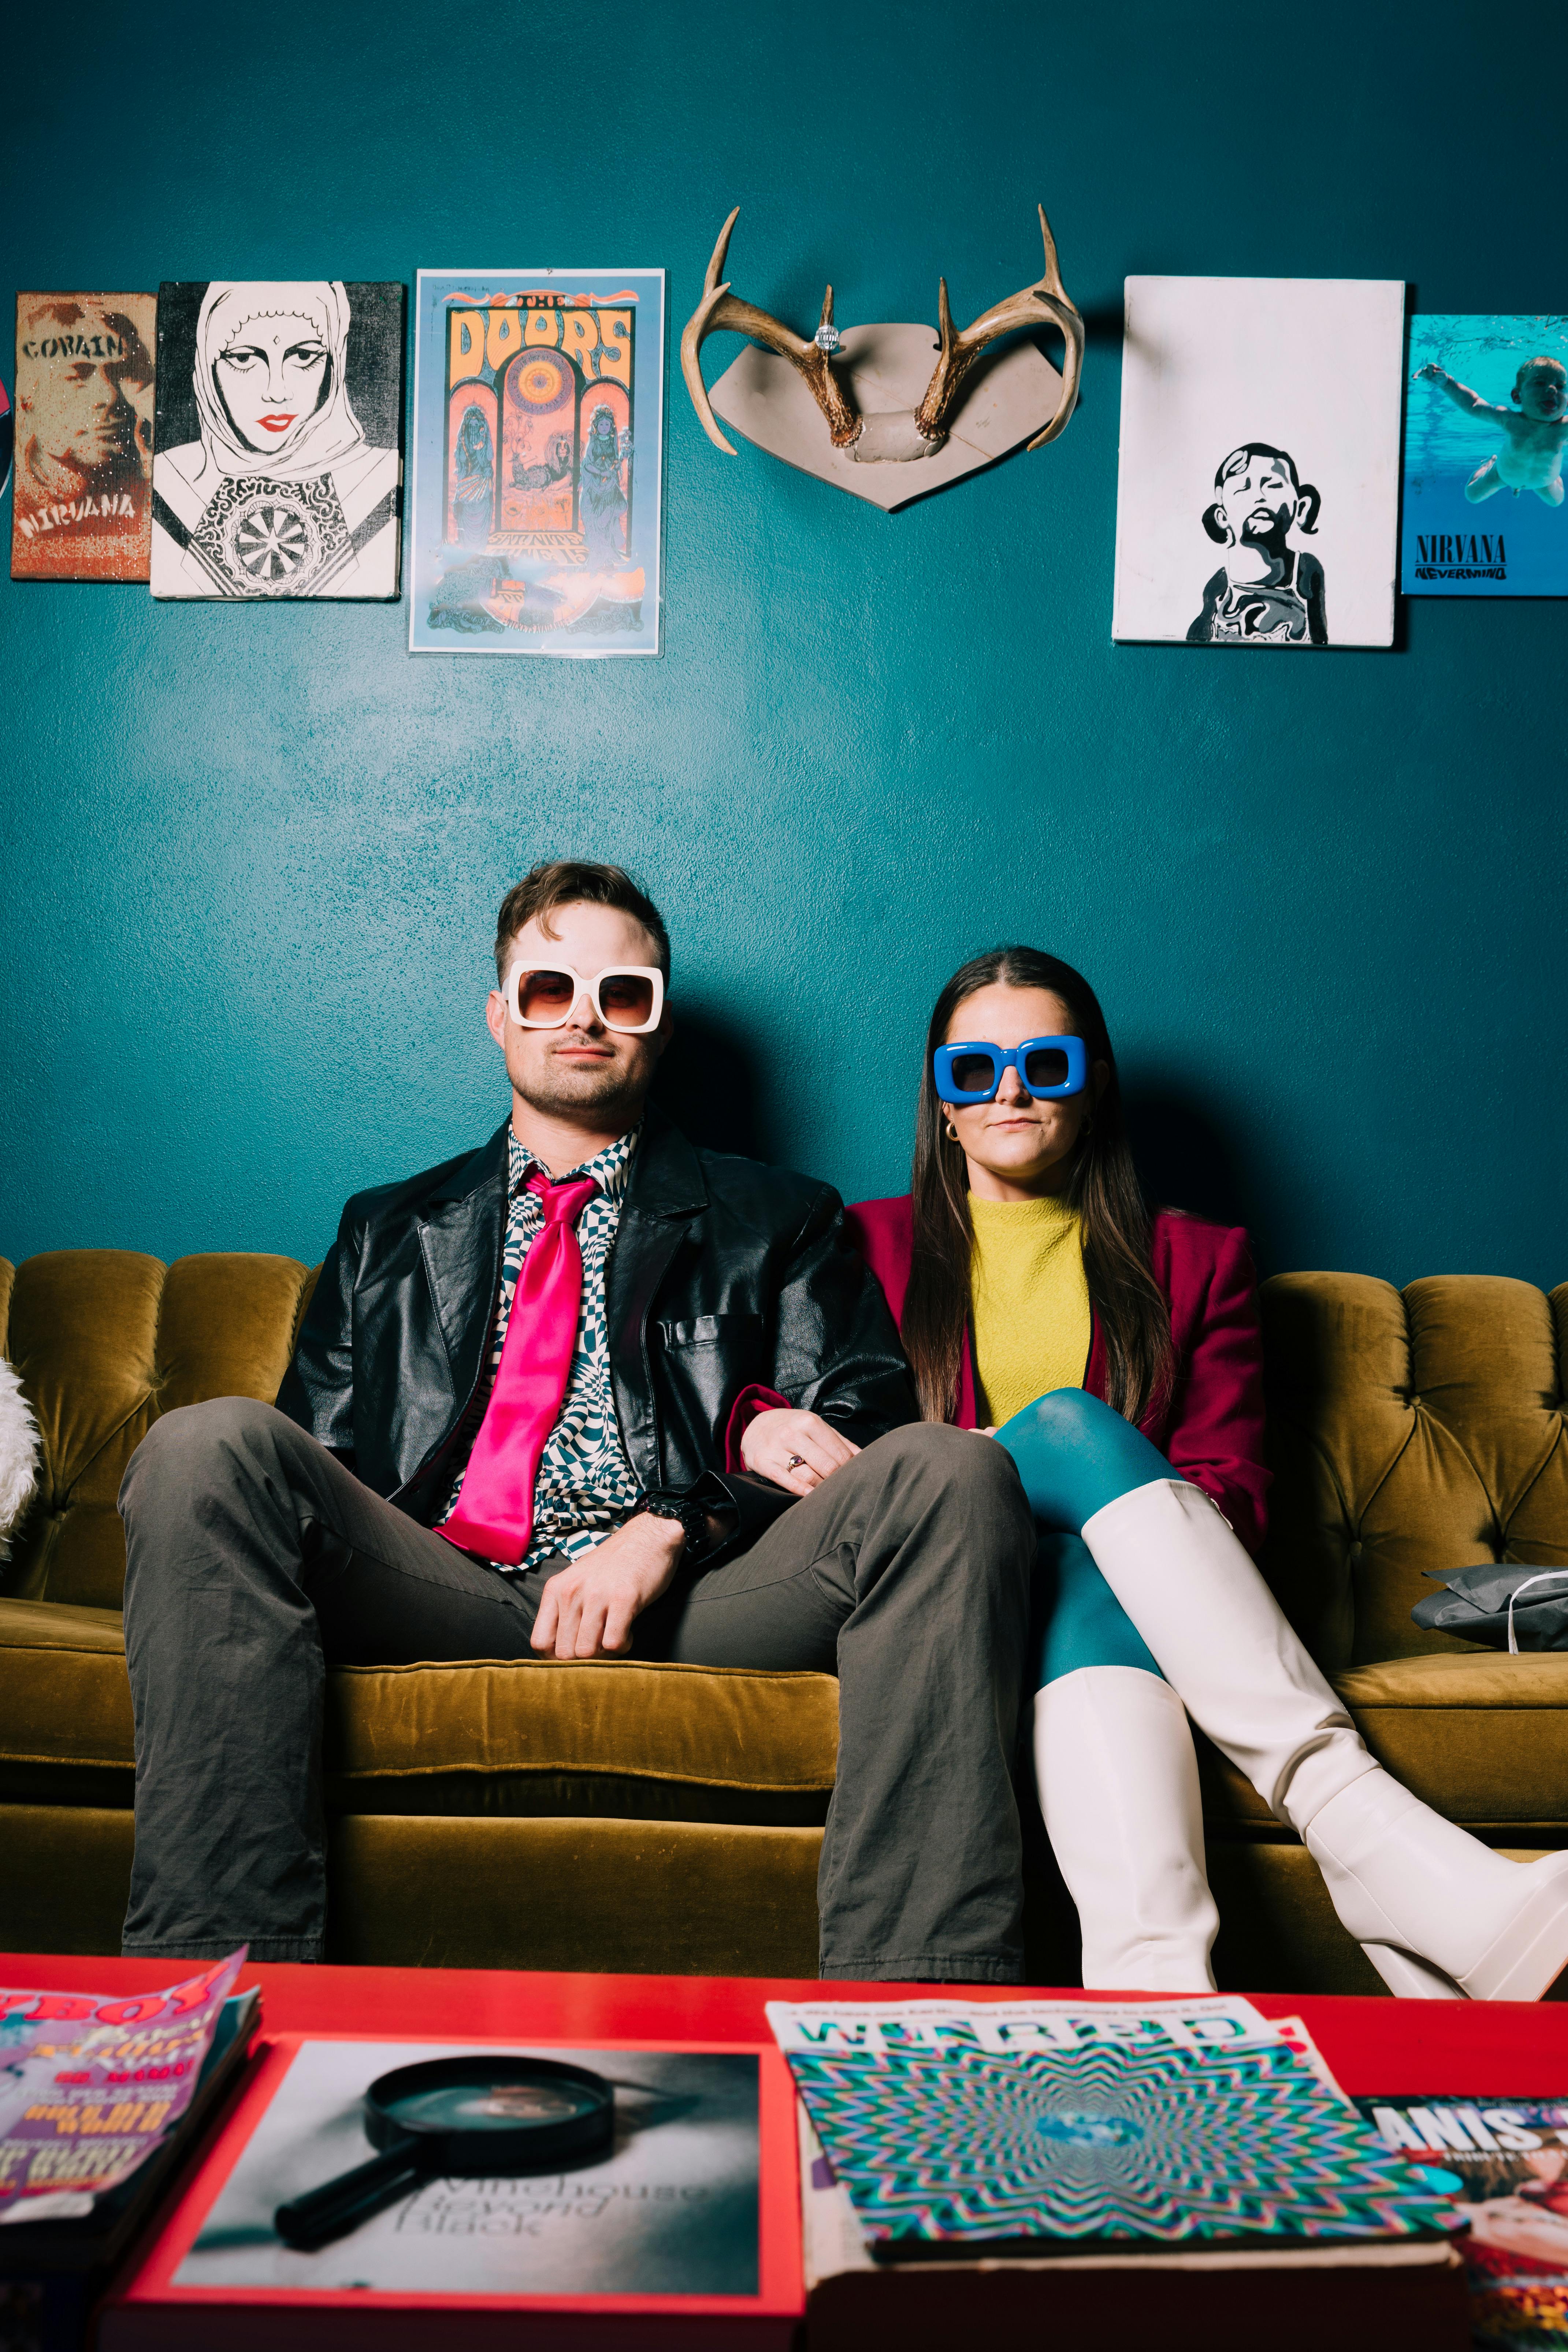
[1017, 1148]
[272, 376]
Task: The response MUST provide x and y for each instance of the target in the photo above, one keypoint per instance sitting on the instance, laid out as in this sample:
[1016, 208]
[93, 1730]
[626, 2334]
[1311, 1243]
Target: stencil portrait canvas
[1258, 497]
[279, 463]
[538, 461]
[1486, 435]
[84, 435]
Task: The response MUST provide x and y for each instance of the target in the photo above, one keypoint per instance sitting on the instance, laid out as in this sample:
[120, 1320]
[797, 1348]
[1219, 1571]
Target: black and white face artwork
[1269, 590]
[1258, 495]
[279, 440]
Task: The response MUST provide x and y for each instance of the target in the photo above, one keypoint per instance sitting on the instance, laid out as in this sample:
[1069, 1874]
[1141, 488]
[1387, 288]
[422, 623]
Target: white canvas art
[1258, 501]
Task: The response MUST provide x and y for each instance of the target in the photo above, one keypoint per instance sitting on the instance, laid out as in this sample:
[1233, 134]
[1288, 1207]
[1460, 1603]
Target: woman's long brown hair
[1130, 1310]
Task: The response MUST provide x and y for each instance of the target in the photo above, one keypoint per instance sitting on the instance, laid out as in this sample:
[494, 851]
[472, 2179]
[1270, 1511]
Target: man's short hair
[563, 882]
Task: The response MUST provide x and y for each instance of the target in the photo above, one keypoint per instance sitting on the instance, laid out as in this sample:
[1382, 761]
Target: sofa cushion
[1409, 1429]
[65, 1706]
[651, 1742]
[1479, 1735]
[105, 1341]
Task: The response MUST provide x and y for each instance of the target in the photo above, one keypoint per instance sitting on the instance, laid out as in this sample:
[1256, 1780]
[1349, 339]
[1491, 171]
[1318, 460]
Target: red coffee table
[1402, 2049]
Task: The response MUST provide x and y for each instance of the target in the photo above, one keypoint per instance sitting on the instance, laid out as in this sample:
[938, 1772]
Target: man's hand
[768, 1444]
[588, 1608]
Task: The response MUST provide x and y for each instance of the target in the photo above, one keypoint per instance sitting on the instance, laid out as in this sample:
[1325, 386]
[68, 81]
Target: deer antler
[1047, 299]
[719, 308]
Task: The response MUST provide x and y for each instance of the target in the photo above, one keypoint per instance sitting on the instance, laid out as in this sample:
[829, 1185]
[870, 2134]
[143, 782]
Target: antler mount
[899, 435]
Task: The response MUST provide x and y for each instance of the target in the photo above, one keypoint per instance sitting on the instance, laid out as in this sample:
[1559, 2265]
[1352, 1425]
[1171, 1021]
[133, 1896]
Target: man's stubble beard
[559, 1092]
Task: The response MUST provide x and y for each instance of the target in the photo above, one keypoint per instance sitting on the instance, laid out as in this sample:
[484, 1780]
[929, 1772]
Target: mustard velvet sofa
[633, 1817]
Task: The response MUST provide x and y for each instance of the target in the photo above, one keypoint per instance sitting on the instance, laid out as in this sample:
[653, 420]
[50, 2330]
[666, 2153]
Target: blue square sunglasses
[1050, 1068]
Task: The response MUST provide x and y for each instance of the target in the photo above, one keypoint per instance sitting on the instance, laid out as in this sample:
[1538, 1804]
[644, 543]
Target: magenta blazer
[1210, 1427]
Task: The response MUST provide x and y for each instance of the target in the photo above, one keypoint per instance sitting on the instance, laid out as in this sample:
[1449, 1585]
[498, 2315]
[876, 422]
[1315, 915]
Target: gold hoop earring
[952, 1132]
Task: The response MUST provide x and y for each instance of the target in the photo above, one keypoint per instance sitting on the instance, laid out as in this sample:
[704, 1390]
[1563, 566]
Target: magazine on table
[91, 2083]
[1066, 2126]
[1504, 2164]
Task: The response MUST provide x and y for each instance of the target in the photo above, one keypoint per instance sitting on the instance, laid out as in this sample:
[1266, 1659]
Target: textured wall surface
[251, 855]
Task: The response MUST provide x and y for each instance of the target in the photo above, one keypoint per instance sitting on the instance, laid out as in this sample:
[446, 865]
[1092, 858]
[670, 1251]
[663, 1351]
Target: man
[585, 1389]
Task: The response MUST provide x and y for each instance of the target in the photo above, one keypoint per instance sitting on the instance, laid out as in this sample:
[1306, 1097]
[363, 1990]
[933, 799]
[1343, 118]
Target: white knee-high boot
[1117, 1784]
[1439, 1914]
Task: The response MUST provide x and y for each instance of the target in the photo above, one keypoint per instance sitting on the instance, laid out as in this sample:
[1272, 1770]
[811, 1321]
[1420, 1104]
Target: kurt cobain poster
[84, 437]
[1257, 500]
[538, 461]
[278, 465]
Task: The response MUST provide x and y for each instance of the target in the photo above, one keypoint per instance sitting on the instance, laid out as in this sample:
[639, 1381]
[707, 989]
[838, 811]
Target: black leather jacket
[724, 1275]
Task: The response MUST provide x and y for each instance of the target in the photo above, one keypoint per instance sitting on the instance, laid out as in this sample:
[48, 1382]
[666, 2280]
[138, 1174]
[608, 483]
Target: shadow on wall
[707, 1085]
[1187, 1160]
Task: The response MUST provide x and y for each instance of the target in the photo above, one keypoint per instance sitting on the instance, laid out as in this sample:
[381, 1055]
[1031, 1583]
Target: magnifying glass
[485, 2116]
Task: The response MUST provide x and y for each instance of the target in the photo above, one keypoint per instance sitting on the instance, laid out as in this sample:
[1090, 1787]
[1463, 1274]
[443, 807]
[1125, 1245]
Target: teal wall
[251, 855]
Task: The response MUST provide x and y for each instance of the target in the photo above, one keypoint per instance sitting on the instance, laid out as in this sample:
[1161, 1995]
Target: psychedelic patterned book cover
[1080, 2131]
[84, 435]
[1486, 433]
[538, 461]
[1504, 2163]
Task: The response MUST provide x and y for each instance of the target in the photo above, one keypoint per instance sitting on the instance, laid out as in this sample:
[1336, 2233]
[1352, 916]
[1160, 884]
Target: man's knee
[199, 1446]
[958, 1469]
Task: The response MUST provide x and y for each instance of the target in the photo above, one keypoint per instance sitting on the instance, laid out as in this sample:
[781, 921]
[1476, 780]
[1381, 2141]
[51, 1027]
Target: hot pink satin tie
[495, 1507]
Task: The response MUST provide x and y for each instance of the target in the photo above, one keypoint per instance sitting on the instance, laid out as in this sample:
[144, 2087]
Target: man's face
[1259, 500]
[1541, 392]
[83, 417]
[584, 1069]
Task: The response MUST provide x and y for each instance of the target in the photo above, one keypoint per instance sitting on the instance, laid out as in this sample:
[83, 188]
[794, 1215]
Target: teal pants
[1074, 1455]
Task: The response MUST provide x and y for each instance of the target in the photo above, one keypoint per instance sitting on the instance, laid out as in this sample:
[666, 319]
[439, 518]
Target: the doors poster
[1258, 501]
[279, 435]
[84, 435]
[1486, 433]
[538, 461]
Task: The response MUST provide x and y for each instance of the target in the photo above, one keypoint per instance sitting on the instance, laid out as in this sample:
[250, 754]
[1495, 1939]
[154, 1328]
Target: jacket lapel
[665, 1192]
[461, 1228]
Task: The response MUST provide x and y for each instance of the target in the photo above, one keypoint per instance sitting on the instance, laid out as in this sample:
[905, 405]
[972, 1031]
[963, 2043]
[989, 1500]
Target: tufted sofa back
[1409, 1429]
[105, 1341]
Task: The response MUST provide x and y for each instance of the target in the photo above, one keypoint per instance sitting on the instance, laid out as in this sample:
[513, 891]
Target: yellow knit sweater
[1032, 1319]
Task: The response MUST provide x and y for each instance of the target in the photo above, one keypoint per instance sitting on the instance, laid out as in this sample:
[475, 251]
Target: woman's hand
[796, 1450]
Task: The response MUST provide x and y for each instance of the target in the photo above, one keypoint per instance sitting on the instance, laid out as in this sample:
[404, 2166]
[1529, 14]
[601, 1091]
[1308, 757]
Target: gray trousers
[255, 1561]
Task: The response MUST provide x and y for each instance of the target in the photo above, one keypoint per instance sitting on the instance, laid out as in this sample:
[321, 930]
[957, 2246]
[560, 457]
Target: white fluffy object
[18, 1455]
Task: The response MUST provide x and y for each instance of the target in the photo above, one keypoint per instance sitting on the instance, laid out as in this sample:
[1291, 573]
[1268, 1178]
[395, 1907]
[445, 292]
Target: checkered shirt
[584, 1485]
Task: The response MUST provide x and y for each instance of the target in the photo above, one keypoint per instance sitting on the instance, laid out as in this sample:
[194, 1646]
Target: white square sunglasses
[626, 996]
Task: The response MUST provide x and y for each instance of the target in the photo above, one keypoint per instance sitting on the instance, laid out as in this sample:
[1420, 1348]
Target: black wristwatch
[692, 1516]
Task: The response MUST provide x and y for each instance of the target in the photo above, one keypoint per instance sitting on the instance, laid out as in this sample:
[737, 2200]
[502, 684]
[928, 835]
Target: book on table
[991, 2165]
[686, 2224]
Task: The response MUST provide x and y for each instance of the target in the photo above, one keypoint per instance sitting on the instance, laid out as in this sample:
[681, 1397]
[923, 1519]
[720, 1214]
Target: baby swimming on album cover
[1486, 432]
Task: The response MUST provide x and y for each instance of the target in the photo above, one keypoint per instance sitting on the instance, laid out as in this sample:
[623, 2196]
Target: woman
[282, 494]
[1120, 1356]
